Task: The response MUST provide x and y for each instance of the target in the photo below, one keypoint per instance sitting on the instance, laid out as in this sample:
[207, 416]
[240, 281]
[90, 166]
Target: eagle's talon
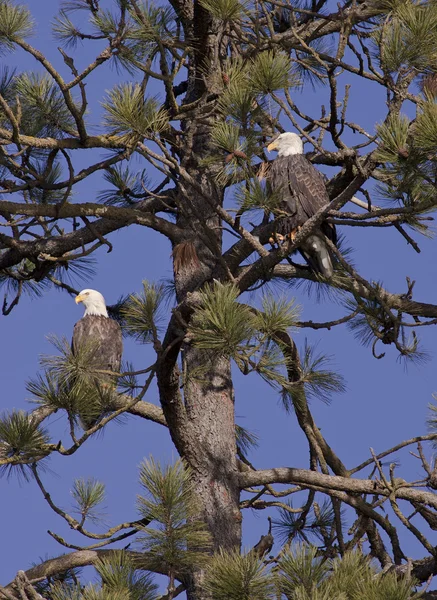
[276, 238]
[292, 235]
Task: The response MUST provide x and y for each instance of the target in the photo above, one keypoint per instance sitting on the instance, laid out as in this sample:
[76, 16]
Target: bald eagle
[103, 337]
[303, 193]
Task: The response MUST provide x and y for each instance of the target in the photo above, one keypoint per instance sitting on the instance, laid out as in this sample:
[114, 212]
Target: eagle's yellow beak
[272, 146]
[78, 299]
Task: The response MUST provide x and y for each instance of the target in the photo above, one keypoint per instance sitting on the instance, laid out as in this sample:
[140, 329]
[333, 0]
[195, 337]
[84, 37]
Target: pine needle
[22, 440]
[178, 540]
[235, 576]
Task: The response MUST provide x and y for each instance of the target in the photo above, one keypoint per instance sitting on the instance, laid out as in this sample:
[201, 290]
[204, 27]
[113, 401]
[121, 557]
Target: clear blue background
[383, 404]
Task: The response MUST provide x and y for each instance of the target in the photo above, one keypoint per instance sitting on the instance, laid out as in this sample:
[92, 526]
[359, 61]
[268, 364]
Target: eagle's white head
[286, 144]
[93, 301]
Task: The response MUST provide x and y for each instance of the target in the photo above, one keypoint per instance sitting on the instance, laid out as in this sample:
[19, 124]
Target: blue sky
[383, 404]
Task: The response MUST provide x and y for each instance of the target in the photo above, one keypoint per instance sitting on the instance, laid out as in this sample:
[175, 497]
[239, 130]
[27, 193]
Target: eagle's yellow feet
[276, 238]
[279, 239]
[294, 233]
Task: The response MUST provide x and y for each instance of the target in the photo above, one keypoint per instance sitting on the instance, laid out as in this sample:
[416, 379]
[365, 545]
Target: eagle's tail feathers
[317, 254]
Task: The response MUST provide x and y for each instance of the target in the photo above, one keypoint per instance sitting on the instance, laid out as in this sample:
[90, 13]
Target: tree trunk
[210, 444]
[207, 442]
[202, 423]
[209, 402]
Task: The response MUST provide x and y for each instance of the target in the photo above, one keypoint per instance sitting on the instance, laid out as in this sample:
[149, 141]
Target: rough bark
[207, 441]
[201, 418]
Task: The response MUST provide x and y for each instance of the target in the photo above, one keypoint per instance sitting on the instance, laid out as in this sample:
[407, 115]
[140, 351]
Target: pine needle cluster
[252, 338]
[119, 580]
[271, 71]
[246, 440]
[175, 542]
[15, 22]
[44, 110]
[257, 195]
[406, 42]
[234, 576]
[141, 313]
[289, 526]
[131, 42]
[24, 279]
[153, 24]
[319, 381]
[132, 116]
[41, 111]
[88, 495]
[226, 326]
[71, 381]
[20, 280]
[178, 540]
[21, 439]
[128, 382]
[127, 187]
[407, 150]
[407, 38]
[301, 574]
[226, 10]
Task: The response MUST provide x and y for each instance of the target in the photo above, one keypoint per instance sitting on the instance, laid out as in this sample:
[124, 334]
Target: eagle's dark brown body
[103, 337]
[302, 190]
[105, 333]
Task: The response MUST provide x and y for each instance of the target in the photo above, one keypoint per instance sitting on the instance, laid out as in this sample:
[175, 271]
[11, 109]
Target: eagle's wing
[301, 187]
[280, 184]
[104, 334]
[103, 338]
[308, 185]
[303, 193]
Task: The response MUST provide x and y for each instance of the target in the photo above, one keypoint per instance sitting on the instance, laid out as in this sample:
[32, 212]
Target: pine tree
[210, 83]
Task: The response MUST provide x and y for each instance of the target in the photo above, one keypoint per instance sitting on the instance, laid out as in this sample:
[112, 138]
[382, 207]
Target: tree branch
[332, 482]
[111, 219]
